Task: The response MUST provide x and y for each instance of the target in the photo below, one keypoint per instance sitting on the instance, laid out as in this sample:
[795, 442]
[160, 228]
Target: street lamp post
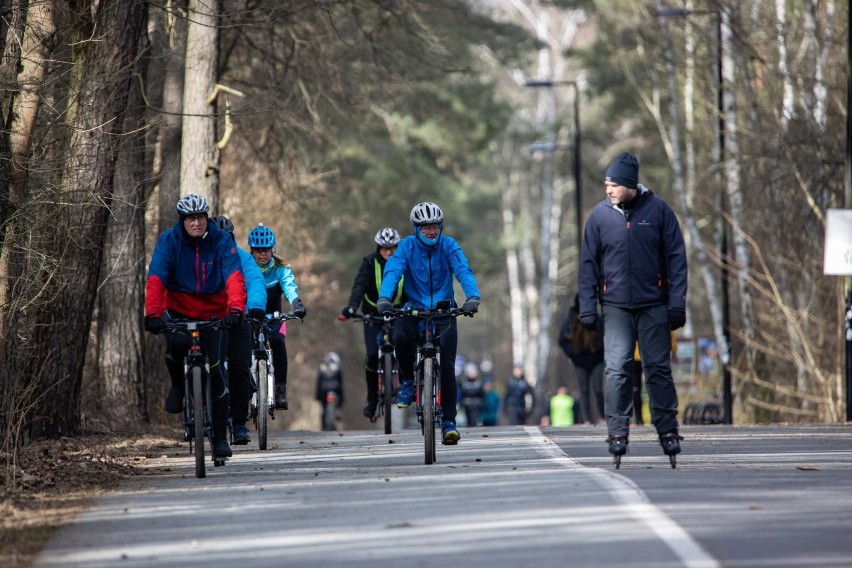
[725, 355]
[576, 166]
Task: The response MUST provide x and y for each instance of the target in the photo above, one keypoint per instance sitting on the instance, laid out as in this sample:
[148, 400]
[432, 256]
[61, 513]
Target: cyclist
[428, 260]
[279, 280]
[365, 293]
[239, 340]
[329, 379]
[195, 273]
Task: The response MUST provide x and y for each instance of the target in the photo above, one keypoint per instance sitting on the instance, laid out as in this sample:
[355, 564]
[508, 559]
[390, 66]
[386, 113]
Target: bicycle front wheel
[262, 402]
[387, 369]
[428, 399]
[198, 419]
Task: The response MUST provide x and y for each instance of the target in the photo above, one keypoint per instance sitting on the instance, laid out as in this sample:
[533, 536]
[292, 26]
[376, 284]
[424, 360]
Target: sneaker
[405, 395]
[221, 449]
[671, 443]
[241, 435]
[449, 433]
[370, 408]
[281, 398]
[617, 445]
[174, 402]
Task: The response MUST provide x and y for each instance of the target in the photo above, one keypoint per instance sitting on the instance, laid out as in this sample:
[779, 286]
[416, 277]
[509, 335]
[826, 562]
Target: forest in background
[338, 116]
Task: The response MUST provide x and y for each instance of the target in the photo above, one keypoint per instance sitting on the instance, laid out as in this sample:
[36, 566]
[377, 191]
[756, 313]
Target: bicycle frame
[198, 399]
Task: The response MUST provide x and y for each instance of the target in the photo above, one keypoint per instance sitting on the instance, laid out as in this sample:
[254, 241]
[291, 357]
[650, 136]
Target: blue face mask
[425, 240]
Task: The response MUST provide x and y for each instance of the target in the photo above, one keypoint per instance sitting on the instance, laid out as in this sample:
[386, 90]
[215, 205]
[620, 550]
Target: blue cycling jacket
[428, 272]
[633, 258]
[255, 285]
[278, 280]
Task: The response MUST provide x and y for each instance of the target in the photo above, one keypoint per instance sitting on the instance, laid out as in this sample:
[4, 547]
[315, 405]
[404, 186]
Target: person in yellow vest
[562, 408]
[636, 375]
[365, 293]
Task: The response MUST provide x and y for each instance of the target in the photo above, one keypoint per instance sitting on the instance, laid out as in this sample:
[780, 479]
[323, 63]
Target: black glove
[677, 319]
[590, 321]
[298, 308]
[234, 319]
[471, 305]
[384, 305]
[348, 312]
[257, 313]
[154, 325]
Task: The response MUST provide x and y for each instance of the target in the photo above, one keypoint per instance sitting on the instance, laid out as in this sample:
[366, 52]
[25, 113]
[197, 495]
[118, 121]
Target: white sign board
[838, 242]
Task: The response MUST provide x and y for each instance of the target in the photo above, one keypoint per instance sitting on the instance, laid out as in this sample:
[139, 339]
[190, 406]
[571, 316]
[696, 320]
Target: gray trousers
[622, 329]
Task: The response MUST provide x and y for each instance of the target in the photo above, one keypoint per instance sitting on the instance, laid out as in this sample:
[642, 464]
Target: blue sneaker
[450, 434]
[405, 395]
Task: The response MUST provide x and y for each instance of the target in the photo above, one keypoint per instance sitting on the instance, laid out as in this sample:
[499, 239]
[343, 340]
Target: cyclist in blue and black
[428, 259]
[239, 342]
[365, 293]
[279, 280]
[195, 272]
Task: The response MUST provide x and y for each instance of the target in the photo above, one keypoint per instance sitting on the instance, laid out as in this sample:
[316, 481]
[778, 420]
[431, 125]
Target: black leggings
[239, 373]
[446, 335]
[279, 358]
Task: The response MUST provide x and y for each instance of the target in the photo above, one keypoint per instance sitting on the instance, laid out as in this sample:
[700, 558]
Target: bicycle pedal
[219, 462]
[450, 442]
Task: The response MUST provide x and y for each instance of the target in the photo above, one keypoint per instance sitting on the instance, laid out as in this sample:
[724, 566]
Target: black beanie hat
[624, 170]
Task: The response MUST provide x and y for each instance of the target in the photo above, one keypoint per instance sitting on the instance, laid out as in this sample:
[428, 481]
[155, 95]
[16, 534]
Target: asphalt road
[506, 496]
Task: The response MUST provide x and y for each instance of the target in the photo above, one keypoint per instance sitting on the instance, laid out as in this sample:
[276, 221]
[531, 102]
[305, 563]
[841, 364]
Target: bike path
[752, 496]
[502, 497]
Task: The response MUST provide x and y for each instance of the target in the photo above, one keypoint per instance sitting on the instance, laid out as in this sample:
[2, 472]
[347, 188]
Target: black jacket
[585, 359]
[633, 258]
[368, 281]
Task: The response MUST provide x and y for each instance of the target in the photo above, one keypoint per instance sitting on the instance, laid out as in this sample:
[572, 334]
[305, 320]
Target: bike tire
[198, 420]
[428, 398]
[387, 378]
[262, 402]
[329, 420]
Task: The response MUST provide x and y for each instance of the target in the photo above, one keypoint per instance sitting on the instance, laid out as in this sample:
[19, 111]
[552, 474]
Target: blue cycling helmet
[261, 237]
[191, 205]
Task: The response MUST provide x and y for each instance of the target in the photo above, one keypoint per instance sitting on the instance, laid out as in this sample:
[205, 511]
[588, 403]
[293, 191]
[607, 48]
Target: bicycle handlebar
[276, 317]
[187, 324]
[410, 312]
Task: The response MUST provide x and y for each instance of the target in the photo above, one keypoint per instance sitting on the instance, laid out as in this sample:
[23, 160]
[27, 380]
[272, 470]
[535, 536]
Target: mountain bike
[262, 405]
[427, 371]
[198, 399]
[388, 371]
[329, 412]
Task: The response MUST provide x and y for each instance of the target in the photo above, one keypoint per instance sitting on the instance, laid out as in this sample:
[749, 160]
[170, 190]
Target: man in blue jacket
[633, 262]
[239, 342]
[428, 259]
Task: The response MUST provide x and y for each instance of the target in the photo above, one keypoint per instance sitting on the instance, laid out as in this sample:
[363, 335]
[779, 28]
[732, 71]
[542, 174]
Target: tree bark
[98, 98]
[199, 163]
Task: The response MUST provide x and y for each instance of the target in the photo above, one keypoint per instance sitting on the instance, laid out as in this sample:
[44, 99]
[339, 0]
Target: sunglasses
[262, 250]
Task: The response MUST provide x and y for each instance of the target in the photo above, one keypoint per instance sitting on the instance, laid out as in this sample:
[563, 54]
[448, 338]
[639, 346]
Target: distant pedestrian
[584, 347]
[519, 399]
[561, 408]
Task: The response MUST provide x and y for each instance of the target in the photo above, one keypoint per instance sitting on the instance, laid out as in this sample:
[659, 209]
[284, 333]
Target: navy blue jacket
[634, 258]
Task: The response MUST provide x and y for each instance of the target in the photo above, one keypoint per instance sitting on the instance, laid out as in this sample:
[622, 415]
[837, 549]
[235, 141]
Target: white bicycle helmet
[192, 204]
[426, 213]
[387, 237]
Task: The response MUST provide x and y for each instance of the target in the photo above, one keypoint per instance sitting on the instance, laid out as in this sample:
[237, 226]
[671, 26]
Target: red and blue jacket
[197, 278]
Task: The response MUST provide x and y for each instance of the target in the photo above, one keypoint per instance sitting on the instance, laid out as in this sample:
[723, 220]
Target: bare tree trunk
[122, 293]
[170, 120]
[199, 164]
[37, 43]
[98, 99]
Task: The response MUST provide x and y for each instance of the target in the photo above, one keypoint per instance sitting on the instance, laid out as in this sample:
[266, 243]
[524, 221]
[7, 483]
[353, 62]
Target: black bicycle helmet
[387, 237]
[191, 205]
[223, 223]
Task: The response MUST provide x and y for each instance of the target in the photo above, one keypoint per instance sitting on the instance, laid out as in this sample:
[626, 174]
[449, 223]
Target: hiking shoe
[370, 408]
[405, 395]
[449, 433]
[617, 445]
[671, 443]
[174, 402]
[241, 435]
[221, 449]
[281, 398]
